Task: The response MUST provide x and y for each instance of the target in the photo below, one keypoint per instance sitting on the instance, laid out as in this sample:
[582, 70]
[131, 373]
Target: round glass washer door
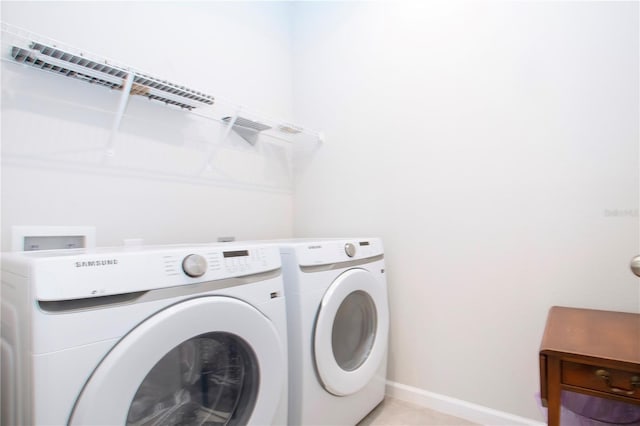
[209, 379]
[211, 360]
[351, 332]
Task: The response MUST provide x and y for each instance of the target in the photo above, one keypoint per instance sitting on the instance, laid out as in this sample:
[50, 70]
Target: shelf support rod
[122, 106]
[232, 123]
[223, 138]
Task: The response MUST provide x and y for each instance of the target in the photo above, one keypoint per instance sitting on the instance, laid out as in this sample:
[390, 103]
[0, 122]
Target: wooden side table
[590, 352]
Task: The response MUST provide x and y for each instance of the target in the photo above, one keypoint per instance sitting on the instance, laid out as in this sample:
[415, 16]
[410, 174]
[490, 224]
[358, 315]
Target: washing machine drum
[208, 379]
[351, 333]
[209, 360]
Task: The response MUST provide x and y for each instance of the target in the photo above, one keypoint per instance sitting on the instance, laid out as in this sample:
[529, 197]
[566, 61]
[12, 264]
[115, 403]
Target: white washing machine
[153, 335]
[338, 322]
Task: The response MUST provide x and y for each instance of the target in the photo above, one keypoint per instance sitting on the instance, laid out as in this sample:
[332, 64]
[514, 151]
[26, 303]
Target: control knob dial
[350, 249]
[194, 265]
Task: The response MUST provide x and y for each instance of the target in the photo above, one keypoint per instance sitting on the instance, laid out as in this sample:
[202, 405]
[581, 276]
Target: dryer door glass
[209, 379]
[354, 330]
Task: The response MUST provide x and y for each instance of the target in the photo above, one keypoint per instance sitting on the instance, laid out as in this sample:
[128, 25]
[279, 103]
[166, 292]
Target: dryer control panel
[325, 252]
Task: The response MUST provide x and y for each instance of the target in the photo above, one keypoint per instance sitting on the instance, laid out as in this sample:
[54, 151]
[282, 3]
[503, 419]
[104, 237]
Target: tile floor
[394, 412]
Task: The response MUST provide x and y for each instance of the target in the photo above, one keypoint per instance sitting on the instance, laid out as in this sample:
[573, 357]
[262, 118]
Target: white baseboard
[455, 407]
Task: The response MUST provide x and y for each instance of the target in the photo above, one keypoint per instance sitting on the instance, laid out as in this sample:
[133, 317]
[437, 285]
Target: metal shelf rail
[20, 46]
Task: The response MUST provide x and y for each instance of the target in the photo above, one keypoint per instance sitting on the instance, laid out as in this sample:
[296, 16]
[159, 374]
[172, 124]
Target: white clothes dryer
[152, 335]
[338, 323]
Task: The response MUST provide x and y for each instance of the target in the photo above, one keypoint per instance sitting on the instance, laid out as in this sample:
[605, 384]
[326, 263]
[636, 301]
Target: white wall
[240, 52]
[494, 147]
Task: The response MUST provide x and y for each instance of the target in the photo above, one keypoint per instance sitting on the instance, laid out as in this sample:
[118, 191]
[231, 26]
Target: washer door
[351, 332]
[210, 360]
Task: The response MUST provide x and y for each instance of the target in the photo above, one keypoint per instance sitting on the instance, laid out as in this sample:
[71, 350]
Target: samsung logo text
[93, 263]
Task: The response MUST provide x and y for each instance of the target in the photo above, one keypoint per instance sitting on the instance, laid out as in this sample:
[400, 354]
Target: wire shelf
[102, 146]
[41, 52]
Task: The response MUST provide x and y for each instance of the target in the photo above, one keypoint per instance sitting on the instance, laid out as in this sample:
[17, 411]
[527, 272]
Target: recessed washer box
[30, 238]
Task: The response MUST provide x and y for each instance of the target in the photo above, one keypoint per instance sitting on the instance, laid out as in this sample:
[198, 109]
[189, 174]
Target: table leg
[554, 391]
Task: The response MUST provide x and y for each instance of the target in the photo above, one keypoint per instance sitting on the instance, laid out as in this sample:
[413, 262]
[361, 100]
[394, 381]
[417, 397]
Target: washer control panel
[222, 263]
[109, 271]
[242, 261]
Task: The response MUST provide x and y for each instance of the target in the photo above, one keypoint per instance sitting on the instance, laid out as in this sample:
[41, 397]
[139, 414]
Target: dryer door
[209, 360]
[351, 332]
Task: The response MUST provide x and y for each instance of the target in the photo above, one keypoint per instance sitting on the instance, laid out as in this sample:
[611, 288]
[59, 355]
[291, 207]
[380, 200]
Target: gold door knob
[635, 265]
